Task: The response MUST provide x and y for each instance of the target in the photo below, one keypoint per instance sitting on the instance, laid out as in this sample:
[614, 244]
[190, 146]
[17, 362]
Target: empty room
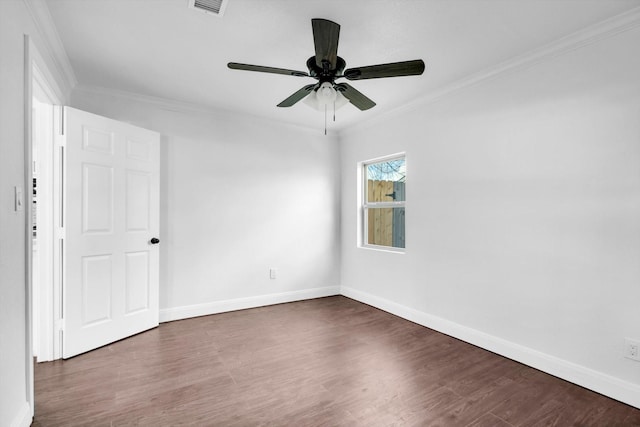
[319, 213]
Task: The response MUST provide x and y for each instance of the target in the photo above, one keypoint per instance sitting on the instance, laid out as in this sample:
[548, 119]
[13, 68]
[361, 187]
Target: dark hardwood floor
[323, 362]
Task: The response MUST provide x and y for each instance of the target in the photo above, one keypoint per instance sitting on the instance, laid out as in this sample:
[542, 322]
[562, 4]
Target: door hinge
[61, 124]
[60, 325]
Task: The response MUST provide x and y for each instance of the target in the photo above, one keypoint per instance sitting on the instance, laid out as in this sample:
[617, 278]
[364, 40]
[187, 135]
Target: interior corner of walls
[599, 382]
[216, 307]
[23, 416]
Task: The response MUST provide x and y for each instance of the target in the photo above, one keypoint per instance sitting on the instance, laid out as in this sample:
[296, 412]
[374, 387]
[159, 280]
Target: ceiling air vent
[213, 7]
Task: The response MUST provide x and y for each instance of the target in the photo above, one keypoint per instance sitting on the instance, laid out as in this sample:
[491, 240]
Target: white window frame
[365, 206]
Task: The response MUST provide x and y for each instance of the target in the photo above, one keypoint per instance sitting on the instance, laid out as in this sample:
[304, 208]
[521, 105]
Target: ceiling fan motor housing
[325, 74]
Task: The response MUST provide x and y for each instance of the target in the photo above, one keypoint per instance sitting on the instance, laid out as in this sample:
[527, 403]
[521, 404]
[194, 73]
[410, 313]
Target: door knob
[155, 240]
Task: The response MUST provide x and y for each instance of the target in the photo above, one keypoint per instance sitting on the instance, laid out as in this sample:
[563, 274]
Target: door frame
[35, 72]
[46, 255]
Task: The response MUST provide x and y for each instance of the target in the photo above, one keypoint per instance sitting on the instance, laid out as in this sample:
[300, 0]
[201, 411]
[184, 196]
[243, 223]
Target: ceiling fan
[326, 67]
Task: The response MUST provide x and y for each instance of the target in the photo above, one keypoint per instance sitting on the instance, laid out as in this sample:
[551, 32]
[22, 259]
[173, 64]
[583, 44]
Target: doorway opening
[42, 120]
[45, 219]
[43, 184]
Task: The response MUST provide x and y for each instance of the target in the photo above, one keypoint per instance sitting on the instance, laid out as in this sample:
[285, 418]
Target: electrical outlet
[632, 349]
[272, 273]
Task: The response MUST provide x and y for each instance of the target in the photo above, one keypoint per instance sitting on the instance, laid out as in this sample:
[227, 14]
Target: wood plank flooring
[324, 362]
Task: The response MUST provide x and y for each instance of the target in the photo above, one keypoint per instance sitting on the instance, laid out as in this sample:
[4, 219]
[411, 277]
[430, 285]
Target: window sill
[377, 248]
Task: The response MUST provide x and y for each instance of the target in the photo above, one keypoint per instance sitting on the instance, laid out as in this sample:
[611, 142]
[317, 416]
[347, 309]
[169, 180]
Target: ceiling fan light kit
[325, 97]
[326, 67]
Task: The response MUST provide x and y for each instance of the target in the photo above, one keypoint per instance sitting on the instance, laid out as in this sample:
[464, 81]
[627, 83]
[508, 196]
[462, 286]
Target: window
[383, 203]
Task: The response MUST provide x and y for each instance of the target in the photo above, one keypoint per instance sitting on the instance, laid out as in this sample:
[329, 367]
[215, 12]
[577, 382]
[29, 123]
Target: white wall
[523, 214]
[239, 195]
[15, 22]
[12, 248]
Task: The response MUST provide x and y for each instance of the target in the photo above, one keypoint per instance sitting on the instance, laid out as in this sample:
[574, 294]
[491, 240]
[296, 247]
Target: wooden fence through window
[385, 225]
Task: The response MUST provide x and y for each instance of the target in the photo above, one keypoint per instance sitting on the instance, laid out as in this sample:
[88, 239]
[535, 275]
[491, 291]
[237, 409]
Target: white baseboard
[214, 307]
[607, 385]
[23, 416]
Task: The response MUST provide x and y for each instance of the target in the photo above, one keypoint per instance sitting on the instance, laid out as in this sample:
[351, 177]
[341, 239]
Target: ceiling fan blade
[355, 97]
[395, 69]
[297, 96]
[325, 38]
[272, 70]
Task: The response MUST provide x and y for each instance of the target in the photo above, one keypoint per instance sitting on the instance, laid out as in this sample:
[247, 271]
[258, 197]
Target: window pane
[386, 181]
[385, 227]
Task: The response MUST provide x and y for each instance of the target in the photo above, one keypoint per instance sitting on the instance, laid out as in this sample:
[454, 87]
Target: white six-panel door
[111, 214]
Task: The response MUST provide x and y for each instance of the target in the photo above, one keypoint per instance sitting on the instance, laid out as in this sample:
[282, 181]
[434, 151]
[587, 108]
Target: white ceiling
[162, 48]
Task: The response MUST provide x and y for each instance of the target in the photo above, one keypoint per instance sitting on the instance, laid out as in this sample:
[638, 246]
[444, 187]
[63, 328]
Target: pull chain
[325, 119]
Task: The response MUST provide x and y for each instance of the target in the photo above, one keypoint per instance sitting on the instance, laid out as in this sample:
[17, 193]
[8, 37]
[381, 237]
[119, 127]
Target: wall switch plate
[632, 349]
[272, 273]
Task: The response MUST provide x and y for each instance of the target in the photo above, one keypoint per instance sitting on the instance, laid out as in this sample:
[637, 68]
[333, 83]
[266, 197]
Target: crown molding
[602, 30]
[51, 42]
[189, 108]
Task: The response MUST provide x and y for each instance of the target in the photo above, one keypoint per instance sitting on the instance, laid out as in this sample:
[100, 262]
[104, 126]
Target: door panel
[111, 197]
[97, 199]
[137, 283]
[97, 140]
[140, 150]
[97, 288]
[138, 209]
